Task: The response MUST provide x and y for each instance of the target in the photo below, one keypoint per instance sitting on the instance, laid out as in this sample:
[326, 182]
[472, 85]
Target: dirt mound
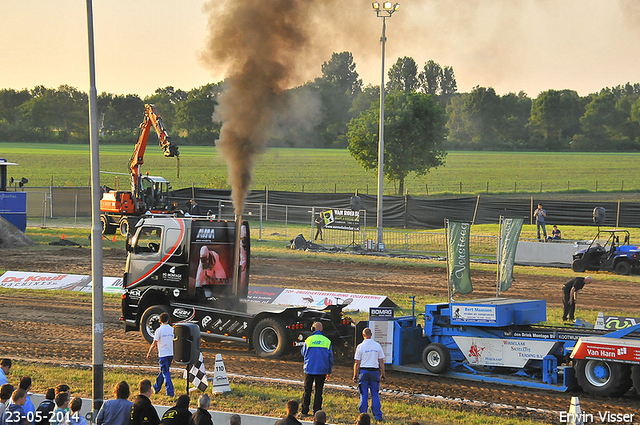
[11, 237]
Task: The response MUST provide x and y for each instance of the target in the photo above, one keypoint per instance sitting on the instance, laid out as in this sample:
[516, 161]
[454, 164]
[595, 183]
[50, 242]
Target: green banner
[509, 235]
[458, 257]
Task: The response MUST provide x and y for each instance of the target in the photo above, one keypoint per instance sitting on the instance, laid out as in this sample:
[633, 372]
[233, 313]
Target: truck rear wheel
[151, 321]
[607, 379]
[579, 265]
[623, 268]
[436, 358]
[270, 339]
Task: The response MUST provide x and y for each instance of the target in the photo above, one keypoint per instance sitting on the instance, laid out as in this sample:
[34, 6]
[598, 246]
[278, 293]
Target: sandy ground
[26, 329]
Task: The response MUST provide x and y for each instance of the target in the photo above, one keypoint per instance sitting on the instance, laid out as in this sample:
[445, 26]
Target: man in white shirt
[368, 369]
[163, 341]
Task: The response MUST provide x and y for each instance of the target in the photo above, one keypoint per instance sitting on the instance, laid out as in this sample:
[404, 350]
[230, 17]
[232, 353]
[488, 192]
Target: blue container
[13, 208]
[498, 312]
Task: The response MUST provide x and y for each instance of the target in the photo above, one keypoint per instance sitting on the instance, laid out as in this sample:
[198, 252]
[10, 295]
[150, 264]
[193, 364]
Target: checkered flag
[197, 374]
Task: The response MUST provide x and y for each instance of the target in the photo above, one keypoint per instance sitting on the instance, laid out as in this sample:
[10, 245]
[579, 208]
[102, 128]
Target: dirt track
[31, 336]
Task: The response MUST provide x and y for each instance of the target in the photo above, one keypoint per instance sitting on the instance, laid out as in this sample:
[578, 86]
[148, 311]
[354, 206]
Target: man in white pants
[368, 369]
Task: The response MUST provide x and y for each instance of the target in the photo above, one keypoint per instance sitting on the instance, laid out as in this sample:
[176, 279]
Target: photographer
[540, 215]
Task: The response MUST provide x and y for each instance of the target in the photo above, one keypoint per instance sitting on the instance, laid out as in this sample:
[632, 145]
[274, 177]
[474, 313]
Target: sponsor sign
[306, 298]
[614, 323]
[502, 352]
[509, 234]
[381, 313]
[263, 294]
[473, 313]
[59, 281]
[383, 335]
[619, 350]
[341, 219]
[530, 334]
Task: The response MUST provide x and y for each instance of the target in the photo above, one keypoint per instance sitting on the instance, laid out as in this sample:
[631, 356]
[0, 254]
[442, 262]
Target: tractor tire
[436, 358]
[604, 379]
[635, 377]
[107, 227]
[623, 268]
[124, 226]
[151, 321]
[579, 265]
[270, 339]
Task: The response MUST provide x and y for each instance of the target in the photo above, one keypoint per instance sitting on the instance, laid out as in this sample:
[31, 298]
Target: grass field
[325, 170]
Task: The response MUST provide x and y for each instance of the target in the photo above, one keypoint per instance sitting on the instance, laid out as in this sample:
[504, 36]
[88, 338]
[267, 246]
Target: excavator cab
[155, 193]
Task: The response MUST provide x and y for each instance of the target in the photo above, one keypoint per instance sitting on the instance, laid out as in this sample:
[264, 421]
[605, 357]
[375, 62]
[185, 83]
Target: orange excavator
[122, 209]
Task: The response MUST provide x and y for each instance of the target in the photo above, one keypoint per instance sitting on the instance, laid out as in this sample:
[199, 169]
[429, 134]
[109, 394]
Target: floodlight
[376, 5]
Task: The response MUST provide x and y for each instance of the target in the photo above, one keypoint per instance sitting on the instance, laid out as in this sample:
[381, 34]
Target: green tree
[555, 118]
[71, 114]
[340, 71]
[166, 100]
[403, 75]
[38, 111]
[195, 114]
[448, 84]
[431, 78]
[10, 101]
[414, 136]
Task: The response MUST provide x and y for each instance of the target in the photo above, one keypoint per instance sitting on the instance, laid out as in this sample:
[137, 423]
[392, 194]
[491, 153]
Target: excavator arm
[151, 118]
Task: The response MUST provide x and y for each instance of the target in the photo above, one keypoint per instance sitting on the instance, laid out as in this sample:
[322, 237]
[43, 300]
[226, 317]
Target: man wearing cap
[570, 295]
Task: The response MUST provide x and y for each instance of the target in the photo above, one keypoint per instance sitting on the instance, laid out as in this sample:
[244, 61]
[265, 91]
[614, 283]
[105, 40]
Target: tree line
[324, 112]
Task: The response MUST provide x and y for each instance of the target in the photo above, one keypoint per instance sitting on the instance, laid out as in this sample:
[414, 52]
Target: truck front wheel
[579, 265]
[151, 321]
[436, 358]
[623, 268]
[270, 339]
[607, 379]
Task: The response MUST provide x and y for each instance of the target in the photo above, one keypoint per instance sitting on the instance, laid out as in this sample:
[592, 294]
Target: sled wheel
[436, 358]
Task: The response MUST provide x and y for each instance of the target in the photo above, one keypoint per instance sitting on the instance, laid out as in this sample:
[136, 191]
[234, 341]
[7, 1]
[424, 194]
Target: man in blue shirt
[318, 364]
[5, 367]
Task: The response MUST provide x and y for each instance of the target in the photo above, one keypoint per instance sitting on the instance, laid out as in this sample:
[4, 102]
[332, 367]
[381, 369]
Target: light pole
[383, 10]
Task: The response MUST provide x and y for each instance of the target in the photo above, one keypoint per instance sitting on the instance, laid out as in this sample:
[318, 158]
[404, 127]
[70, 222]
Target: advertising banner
[59, 281]
[307, 298]
[509, 235]
[458, 257]
[341, 220]
[502, 352]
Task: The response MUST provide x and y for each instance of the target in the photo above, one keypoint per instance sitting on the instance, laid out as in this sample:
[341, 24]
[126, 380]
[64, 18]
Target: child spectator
[76, 418]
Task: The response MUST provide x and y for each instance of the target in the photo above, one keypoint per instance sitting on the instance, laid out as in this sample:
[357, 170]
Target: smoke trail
[258, 43]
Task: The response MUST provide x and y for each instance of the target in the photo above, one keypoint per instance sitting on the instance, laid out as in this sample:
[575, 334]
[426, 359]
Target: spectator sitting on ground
[14, 413]
[178, 414]
[60, 415]
[5, 367]
[202, 416]
[363, 419]
[118, 410]
[45, 408]
[235, 419]
[292, 411]
[320, 418]
[556, 234]
[75, 418]
[5, 394]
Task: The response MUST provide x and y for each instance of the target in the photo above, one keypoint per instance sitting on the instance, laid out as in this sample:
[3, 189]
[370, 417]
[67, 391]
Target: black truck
[197, 270]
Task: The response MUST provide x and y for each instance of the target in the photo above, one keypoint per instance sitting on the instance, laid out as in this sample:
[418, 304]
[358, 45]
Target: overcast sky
[510, 45]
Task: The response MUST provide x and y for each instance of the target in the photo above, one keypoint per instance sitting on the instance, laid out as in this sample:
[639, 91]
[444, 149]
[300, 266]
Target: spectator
[28, 407]
[194, 208]
[556, 235]
[43, 412]
[235, 419]
[60, 415]
[118, 410]
[368, 370]
[318, 363]
[64, 388]
[540, 215]
[202, 415]
[76, 418]
[292, 411]
[142, 411]
[178, 414]
[5, 394]
[320, 418]
[319, 223]
[363, 419]
[14, 413]
[163, 341]
[5, 367]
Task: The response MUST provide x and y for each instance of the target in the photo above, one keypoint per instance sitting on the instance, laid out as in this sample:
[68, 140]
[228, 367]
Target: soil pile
[11, 237]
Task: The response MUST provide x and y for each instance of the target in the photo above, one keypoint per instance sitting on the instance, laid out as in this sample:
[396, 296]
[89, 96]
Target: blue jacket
[13, 415]
[318, 355]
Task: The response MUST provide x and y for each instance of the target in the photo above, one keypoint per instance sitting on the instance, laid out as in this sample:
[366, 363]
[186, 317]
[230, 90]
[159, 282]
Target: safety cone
[220, 379]
[599, 321]
[575, 413]
[114, 238]
[63, 236]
